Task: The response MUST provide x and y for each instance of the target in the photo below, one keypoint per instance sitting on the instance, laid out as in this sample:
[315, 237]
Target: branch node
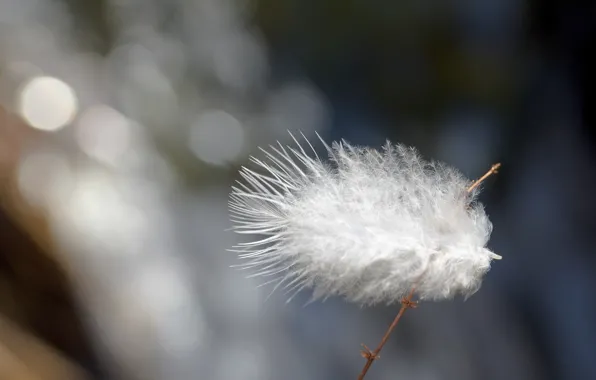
[408, 303]
[368, 354]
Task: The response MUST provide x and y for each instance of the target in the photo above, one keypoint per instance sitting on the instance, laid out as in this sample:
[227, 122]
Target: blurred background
[123, 124]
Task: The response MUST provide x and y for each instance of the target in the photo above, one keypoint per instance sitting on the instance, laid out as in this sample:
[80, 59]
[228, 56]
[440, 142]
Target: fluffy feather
[368, 225]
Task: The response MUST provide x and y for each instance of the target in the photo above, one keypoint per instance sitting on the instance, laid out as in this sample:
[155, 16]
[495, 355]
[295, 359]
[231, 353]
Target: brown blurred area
[41, 334]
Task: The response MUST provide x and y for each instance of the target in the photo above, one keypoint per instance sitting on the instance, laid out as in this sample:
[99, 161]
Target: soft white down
[367, 225]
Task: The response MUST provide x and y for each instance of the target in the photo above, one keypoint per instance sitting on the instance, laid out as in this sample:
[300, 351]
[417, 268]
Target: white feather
[369, 225]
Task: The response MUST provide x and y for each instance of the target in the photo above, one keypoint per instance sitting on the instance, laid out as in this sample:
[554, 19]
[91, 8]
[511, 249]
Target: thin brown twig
[406, 302]
[493, 170]
[371, 356]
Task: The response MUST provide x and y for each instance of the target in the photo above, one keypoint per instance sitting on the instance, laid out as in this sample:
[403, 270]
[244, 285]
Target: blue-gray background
[172, 97]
